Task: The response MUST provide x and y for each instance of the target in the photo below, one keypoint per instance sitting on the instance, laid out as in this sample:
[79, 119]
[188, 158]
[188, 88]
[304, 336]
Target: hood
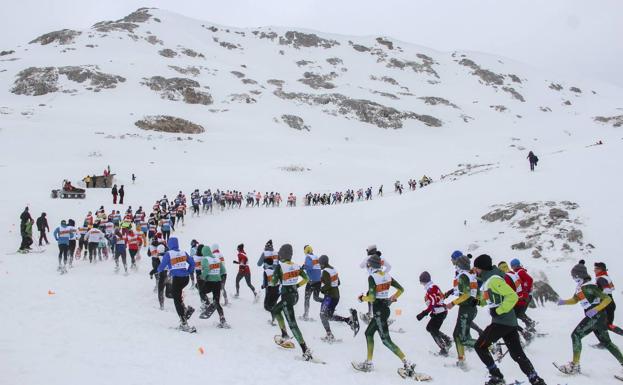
[173, 244]
[206, 252]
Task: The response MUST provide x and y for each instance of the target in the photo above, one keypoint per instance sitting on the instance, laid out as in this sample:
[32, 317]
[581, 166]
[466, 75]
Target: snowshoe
[354, 322]
[189, 312]
[618, 377]
[408, 371]
[570, 368]
[309, 357]
[459, 364]
[208, 311]
[365, 366]
[284, 342]
[495, 380]
[330, 339]
[186, 328]
[223, 324]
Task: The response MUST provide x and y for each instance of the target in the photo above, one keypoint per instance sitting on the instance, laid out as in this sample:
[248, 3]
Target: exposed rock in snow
[385, 79]
[425, 67]
[62, 37]
[302, 63]
[242, 98]
[167, 52]
[385, 42]
[548, 228]
[617, 121]
[189, 70]
[299, 39]
[499, 108]
[364, 110]
[489, 77]
[37, 81]
[555, 86]
[575, 89]
[295, 122]
[153, 39]
[334, 61]
[191, 53]
[359, 47]
[127, 24]
[514, 93]
[434, 100]
[178, 88]
[317, 81]
[276, 82]
[165, 123]
[237, 74]
[5, 53]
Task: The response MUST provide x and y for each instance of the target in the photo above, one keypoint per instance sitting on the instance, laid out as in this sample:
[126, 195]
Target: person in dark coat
[42, 226]
[114, 194]
[94, 179]
[533, 159]
[121, 194]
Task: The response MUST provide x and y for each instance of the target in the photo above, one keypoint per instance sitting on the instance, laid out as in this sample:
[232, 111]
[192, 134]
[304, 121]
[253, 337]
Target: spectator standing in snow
[533, 159]
[133, 178]
[114, 193]
[121, 194]
[43, 227]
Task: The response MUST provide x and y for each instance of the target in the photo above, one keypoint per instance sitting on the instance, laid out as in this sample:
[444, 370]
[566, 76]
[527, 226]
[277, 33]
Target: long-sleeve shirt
[312, 267]
[61, 234]
[526, 286]
[434, 299]
[243, 262]
[498, 295]
[178, 263]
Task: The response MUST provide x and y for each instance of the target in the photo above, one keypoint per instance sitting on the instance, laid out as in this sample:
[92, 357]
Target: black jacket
[42, 224]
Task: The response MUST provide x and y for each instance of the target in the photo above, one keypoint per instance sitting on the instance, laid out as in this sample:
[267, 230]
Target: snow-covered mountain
[278, 109]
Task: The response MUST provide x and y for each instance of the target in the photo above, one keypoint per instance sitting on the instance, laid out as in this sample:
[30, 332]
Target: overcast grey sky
[575, 37]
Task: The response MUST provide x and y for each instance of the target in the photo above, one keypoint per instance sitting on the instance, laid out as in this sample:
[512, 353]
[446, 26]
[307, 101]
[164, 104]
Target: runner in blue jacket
[180, 266]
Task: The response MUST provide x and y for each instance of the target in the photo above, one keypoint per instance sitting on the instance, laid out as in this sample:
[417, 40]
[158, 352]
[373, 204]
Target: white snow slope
[102, 328]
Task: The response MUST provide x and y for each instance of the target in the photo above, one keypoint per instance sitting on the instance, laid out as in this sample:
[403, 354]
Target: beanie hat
[269, 245]
[483, 262]
[601, 265]
[63, 222]
[456, 254]
[308, 249]
[215, 247]
[515, 262]
[240, 247]
[285, 252]
[504, 267]
[463, 263]
[371, 249]
[375, 261]
[323, 260]
[425, 277]
[579, 271]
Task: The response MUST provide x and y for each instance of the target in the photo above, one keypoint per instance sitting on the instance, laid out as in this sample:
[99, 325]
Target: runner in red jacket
[436, 308]
[243, 271]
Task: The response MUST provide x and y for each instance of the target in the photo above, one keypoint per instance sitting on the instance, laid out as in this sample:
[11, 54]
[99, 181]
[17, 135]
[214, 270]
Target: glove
[493, 312]
[236, 262]
[360, 298]
[263, 287]
[561, 302]
[151, 275]
[421, 315]
[591, 313]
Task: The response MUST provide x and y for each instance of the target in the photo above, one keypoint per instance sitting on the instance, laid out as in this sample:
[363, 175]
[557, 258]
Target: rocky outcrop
[276, 82]
[359, 47]
[191, 53]
[35, 81]
[575, 89]
[334, 61]
[549, 229]
[62, 37]
[488, 77]
[127, 24]
[302, 63]
[542, 292]
[434, 100]
[385, 42]
[5, 53]
[167, 52]
[555, 86]
[171, 124]
[363, 110]
[616, 121]
[237, 74]
[189, 70]
[317, 81]
[385, 79]
[299, 39]
[514, 93]
[295, 122]
[425, 67]
[178, 89]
